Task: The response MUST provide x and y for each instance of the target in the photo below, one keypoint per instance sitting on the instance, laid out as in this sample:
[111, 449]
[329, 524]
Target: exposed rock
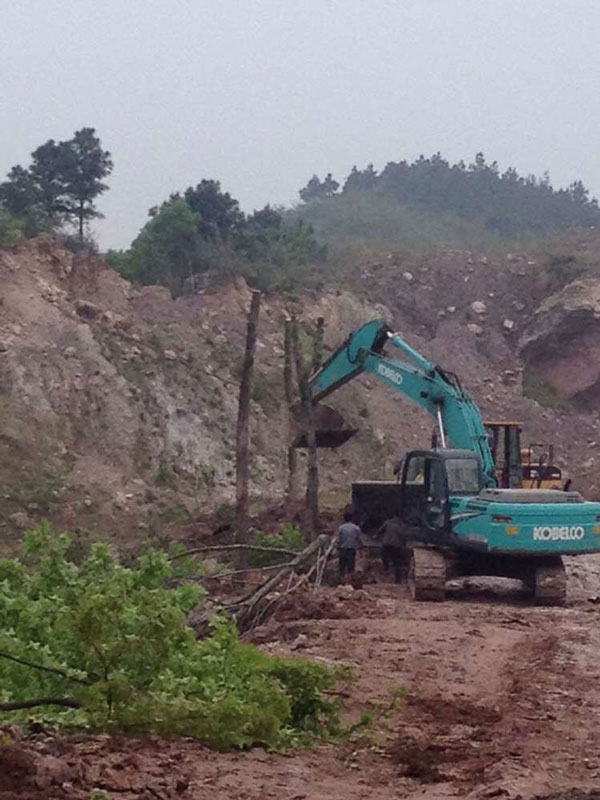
[509, 377]
[509, 325]
[561, 345]
[408, 276]
[86, 309]
[478, 307]
[20, 520]
[476, 329]
[170, 355]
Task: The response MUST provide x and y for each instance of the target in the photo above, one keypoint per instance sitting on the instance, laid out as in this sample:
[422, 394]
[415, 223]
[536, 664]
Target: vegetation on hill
[204, 230]
[433, 201]
[202, 234]
[58, 189]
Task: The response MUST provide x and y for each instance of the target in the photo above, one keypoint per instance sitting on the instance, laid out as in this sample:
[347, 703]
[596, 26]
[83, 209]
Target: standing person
[392, 546]
[348, 542]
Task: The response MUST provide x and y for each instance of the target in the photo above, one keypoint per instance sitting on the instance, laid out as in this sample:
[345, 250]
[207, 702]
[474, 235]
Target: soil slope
[118, 404]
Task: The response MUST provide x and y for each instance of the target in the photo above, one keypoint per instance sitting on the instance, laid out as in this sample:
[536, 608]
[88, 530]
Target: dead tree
[312, 483]
[242, 438]
[288, 382]
[317, 357]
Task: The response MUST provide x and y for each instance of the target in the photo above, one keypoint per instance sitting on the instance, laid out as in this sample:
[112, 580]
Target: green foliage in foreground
[117, 642]
[290, 538]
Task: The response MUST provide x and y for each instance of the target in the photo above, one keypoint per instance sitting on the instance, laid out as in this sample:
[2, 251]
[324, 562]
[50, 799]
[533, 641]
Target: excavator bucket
[330, 427]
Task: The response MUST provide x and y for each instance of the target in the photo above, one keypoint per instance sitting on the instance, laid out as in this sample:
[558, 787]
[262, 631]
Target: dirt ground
[497, 699]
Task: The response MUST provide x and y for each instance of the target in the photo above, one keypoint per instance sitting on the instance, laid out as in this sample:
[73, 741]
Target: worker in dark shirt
[348, 541]
[392, 547]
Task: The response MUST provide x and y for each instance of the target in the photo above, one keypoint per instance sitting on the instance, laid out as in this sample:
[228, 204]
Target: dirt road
[502, 700]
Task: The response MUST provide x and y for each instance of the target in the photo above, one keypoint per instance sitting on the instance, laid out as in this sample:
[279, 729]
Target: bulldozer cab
[520, 467]
[505, 444]
[539, 471]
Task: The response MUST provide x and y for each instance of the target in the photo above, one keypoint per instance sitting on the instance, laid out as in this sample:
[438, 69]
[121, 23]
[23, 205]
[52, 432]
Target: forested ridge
[201, 233]
[504, 202]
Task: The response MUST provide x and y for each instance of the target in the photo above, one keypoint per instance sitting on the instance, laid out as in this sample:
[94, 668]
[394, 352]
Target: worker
[348, 541]
[392, 546]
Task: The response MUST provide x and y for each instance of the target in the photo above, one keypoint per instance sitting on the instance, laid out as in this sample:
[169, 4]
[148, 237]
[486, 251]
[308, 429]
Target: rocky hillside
[118, 404]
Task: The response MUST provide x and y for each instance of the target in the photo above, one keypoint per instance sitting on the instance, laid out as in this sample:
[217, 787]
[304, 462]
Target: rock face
[118, 404]
[561, 344]
[106, 402]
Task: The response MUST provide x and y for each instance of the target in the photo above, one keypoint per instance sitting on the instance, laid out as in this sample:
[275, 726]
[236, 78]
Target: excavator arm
[418, 379]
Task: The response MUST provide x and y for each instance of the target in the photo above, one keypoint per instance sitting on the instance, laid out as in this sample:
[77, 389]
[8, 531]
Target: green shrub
[290, 538]
[11, 229]
[115, 640]
[165, 475]
[226, 512]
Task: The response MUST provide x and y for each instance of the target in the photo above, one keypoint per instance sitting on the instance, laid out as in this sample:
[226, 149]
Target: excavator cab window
[415, 470]
[464, 476]
[436, 494]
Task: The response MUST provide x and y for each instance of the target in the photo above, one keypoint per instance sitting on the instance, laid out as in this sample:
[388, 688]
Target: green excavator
[456, 518]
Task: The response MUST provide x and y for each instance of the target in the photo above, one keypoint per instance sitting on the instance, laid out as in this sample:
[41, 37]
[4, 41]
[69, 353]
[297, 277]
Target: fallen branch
[40, 701]
[243, 571]
[259, 548]
[245, 608]
[323, 563]
[33, 665]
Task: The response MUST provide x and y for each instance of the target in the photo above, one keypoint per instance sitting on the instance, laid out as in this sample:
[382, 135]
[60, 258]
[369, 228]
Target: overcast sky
[260, 94]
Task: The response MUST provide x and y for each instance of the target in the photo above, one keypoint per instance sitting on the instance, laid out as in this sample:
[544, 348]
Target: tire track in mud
[544, 736]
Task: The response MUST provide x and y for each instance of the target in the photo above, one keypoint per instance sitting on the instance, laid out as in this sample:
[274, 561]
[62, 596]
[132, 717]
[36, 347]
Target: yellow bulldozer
[521, 467]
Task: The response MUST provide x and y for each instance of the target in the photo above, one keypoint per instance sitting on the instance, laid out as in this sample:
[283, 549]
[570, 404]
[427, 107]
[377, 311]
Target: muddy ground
[498, 699]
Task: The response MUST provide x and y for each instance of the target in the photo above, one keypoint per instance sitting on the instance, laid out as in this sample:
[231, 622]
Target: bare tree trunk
[312, 484]
[80, 215]
[288, 382]
[318, 344]
[242, 438]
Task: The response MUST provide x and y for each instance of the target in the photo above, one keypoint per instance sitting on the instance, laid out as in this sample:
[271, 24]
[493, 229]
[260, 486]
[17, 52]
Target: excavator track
[550, 583]
[427, 574]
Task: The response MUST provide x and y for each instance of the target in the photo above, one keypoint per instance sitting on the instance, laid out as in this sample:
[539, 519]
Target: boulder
[478, 307]
[476, 329]
[561, 344]
[20, 520]
[86, 310]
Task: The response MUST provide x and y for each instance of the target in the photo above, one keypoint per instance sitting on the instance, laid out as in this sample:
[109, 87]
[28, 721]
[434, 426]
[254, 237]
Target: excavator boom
[421, 381]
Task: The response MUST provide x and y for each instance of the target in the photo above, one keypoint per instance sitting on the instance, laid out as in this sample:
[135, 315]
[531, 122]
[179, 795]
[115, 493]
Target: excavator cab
[430, 478]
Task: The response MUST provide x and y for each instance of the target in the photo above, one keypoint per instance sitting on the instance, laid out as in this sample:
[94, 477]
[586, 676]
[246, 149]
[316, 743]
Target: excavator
[457, 519]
